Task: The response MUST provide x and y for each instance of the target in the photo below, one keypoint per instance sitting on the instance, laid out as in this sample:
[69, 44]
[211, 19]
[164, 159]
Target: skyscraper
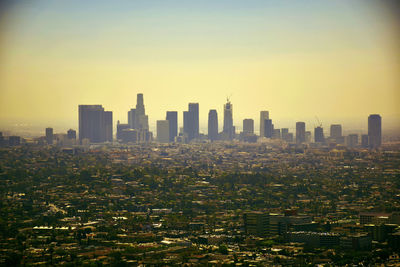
[212, 125]
[132, 118]
[191, 121]
[248, 126]
[163, 131]
[264, 115]
[172, 118]
[108, 126]
[94, 123]
[375, 130]
[268, 128]
[300, 132]
[49, 136]
[364, 140]
[141, 121]
[228, 120]
[319, 135]
[336, 131]
[352, 140]
[120, 128]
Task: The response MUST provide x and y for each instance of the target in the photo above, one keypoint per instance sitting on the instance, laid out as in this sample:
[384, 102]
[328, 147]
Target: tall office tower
[264, 115]
[49, 136]
[132, 118]
[352, 140]
[375, 130]
[92, 123]
[284, 134]
[364, 140]
[300, 132]
[248, 126]
[163, 131]
[172, 117]
[108, 126]
[228, 120]
[336, 131]
[120, 128]
[212, 125]
[71, 134]
[276, 134]
[194, 117]
[186, 122]
[268, 128]
[141, 121]
[95, 124]
[319, 135]
[191, 121]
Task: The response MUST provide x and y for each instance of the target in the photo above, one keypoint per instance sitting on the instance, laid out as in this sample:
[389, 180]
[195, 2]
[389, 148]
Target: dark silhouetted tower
[228, 120]
[375, 130]
[264, 115]
[336, 131]
[319, 135]
[268, 128]
[49, 136]
[191, 121]
[364, 140]
[300, 132]
[172, 118]
[248, 126]
[95, 124]
[212, 125]
[132, 118]
[108, 126]
[141, 121]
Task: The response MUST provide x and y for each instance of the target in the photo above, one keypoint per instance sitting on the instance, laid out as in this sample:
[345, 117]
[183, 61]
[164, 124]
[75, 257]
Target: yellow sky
[321, 68]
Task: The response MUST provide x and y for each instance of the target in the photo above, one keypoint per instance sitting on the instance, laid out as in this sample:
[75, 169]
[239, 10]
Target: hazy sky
[338, 60]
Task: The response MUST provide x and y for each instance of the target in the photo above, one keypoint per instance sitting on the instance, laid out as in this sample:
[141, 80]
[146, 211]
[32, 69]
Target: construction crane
[319, 123]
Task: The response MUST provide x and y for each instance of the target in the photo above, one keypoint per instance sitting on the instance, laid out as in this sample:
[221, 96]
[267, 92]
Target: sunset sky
[338, 60]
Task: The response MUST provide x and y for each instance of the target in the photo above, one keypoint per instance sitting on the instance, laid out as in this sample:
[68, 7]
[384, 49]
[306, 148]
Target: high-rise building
[285, 135]
[375, 130]
[163, 131]
[268, 128]
[94, 124]
[276, 134]
[319, 135]
[71, 134]
[191, 121]
[364, 140]
[108, 126]
[352, 140]
[308, 136]
[264, 115]
[336, 131]
[248, 126]
[172, 118]
[132, 118]
[141, 121]
[49, 136]
[300, 132]
[212, 125]
[120, 128]
[228, 120]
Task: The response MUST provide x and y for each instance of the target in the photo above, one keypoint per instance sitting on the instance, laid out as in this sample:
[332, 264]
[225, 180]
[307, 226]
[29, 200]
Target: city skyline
[294, 59]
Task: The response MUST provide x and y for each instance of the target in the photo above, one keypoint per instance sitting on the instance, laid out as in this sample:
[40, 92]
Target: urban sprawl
[186, 198]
